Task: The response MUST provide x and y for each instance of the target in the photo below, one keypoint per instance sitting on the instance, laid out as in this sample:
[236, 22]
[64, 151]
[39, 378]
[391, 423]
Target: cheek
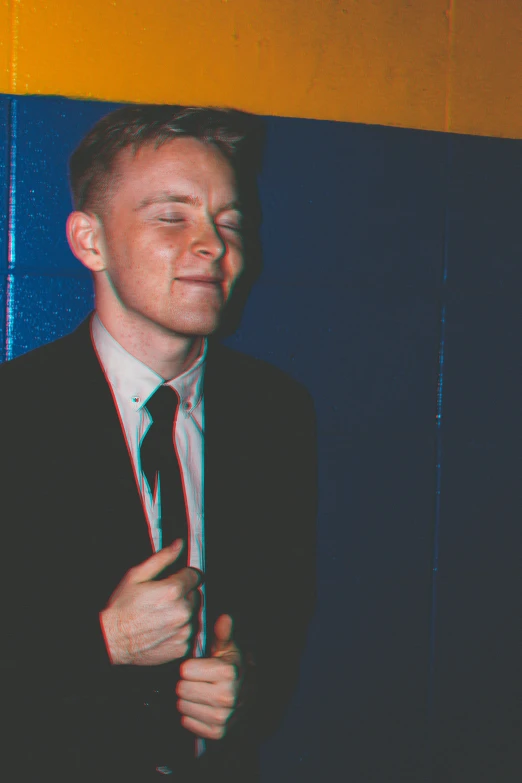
[235, 263]
[145, 265]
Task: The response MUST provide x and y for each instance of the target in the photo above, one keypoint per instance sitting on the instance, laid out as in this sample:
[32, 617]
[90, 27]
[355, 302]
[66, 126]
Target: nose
[207, 242]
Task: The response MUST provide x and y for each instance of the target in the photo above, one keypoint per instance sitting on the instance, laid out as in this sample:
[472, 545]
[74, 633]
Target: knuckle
[233, 673]
[173, 591]
[182, 649]
[184, 633]
[183, 615]
[227, 700]
[222, 716]
[229, 673]
[188, 611]
[217, 732]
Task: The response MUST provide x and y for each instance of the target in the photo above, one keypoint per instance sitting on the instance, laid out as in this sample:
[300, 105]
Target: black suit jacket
[73, 524]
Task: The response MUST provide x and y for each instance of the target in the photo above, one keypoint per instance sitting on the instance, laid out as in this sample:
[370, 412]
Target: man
[158, 488]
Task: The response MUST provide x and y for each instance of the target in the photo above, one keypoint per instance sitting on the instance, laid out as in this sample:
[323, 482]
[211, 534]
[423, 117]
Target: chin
[201, 327]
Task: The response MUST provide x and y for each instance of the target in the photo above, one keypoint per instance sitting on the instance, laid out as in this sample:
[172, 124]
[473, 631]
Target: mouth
[204, 280]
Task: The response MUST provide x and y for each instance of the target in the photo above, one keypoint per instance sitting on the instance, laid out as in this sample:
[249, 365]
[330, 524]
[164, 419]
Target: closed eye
[230, 227]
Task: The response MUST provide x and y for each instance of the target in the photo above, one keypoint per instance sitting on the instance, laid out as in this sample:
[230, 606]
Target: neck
[168, 354]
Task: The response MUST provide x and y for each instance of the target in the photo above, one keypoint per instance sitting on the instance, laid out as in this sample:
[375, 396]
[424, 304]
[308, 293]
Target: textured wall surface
[391, 288]
[448, 65]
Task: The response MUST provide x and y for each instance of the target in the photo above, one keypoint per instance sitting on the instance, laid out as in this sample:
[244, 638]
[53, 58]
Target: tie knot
[162, 405]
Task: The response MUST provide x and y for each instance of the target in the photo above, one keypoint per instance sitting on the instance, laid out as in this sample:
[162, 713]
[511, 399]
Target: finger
[208, 670]
[187, 579]
[215, 695]
[201, 729]
[211, 716]
[154, 565]
[223, 628]
[196, 692]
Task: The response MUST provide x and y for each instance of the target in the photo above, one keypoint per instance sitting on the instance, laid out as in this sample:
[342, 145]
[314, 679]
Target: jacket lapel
[101, 474]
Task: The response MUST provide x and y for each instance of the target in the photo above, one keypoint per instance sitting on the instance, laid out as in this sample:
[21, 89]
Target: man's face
[172, 237]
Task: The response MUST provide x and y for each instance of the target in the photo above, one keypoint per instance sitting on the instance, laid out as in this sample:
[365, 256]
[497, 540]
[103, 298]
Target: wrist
[115, 649]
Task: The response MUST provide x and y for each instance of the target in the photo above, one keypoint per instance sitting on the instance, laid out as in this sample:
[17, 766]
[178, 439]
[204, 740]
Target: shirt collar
[134, 382]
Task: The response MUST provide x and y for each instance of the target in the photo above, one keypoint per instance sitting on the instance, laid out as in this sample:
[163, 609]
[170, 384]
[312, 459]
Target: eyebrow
[175, 198]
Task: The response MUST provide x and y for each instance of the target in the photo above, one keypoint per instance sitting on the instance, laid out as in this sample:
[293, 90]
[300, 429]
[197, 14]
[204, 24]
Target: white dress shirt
[132, 384]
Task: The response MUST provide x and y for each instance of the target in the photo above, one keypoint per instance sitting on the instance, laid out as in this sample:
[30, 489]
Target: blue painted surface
[47, 307]
[359, 223]
[4, 179]
[49, 129]
[349, 303]
[3, 299]
[4, 211]
[478, 685]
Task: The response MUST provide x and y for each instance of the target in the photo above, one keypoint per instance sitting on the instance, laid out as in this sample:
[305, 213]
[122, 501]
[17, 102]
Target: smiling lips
[200, 279]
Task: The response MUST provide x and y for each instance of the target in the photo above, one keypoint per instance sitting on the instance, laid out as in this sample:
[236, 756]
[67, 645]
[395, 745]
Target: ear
[85, 238]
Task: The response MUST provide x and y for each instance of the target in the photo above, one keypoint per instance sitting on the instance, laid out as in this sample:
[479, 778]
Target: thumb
[222, 643]
[156, 563]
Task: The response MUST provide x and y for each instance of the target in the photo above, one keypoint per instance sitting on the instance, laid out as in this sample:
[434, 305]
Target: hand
[209, 687]
[150, 622]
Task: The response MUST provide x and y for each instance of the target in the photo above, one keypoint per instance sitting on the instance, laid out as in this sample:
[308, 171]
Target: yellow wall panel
[119, 50]
[486, 78]
[435, 64]
[352, 60]
[6, 46]
[344, 60]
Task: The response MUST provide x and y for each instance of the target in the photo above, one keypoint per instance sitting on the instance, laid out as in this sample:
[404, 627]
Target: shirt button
[135, 398]
[186, 405]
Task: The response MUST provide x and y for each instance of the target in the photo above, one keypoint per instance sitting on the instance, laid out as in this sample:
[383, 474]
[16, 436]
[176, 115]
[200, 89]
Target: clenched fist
[209, 688]
[149, 622]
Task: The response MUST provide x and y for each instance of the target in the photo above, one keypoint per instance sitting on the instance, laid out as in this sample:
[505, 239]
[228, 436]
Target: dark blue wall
[391, 288]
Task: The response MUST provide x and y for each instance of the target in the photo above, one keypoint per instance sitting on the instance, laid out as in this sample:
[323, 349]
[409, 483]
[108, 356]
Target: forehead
[185, 162]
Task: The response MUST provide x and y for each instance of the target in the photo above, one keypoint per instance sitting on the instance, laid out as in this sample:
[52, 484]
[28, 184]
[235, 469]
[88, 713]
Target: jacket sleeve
[47, 648]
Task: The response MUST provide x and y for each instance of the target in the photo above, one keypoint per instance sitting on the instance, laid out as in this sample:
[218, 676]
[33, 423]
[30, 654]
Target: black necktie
[158, 458]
